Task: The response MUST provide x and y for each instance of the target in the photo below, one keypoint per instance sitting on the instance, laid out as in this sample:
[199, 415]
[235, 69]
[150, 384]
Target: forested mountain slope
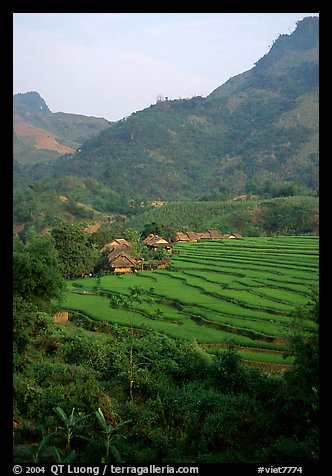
[260, 125]
[40, 135]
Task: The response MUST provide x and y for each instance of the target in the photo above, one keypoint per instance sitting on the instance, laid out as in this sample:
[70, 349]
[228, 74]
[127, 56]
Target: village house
[187, 236]
[163, 263]
[155, 242]
[118, 243]
[231, 235]
[211, 235]
[120, 262]
[118, 256]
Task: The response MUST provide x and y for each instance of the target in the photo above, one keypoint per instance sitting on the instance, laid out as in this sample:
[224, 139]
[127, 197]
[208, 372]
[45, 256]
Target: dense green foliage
[38, 288]
[39, 204]
[186, 407]
[76, 256]
[89, 392]
[36, 270]
[287, 215]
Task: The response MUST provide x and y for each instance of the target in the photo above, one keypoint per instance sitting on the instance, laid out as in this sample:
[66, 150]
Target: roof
[180, 236]
[155, 240]
[232, 235]
[116, 252]
[193, 236]
[123, 261]
[215, 235]
[211, 235]
[187, 236]
[115, 244]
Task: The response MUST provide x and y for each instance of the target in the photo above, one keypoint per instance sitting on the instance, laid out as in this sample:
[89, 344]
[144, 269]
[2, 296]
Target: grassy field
[240, 291]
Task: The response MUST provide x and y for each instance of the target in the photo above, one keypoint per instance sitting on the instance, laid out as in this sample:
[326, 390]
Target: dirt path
[242, 349]
[267, 367]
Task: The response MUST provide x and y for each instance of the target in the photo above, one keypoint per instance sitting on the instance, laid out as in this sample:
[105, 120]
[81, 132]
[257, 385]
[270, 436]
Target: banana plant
[109, 432]
[71, 425]
[63, 460]
[40, 448]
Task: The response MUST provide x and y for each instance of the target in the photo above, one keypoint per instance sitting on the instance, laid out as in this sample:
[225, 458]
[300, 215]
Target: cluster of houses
[118, 256]
[206, 235]
[119, 259]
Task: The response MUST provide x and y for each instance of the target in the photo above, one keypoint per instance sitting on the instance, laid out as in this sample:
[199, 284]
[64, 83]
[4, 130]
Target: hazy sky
[113, 64]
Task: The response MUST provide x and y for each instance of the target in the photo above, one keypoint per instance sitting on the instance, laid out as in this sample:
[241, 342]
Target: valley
[203, 350]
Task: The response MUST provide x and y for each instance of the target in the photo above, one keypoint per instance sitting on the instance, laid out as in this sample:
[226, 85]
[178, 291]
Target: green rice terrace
[239, 291]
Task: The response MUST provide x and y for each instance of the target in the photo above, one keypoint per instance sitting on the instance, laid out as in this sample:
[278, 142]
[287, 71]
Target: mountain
[40, 135]
[258, 129]
[291, 65]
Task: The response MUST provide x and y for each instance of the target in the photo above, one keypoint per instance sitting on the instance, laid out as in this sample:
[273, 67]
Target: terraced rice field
[240, 291]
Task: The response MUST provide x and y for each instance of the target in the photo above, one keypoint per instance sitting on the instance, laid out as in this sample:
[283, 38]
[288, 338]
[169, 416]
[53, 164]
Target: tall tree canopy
[36, 270]
[76, 255]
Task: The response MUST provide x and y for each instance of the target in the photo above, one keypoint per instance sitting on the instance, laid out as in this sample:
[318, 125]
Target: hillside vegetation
[215, 357]
[40, 135]
[260, 125]
[124, 391]
[42, 204]
[285, 215]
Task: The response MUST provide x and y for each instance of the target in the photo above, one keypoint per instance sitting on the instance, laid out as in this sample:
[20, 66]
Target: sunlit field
[240, 291]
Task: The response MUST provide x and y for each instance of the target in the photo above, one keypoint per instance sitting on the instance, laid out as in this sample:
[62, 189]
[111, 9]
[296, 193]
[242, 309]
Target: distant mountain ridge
[259, 126]
[295, 56]
[40, 135]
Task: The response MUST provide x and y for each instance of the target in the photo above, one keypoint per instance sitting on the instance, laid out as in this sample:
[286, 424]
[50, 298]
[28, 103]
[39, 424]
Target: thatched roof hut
[122, 263]
[231, 235]
[119, 242]
[211, 235]
[187, 236]
[154, 241]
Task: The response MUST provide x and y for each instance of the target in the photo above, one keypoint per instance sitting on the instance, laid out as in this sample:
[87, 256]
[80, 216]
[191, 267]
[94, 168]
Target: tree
[36, 271]
[288, 216]
[76, 255]
[297, 403]
[131, 235]
[162, 230]
[136, 296]
[102, 236]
